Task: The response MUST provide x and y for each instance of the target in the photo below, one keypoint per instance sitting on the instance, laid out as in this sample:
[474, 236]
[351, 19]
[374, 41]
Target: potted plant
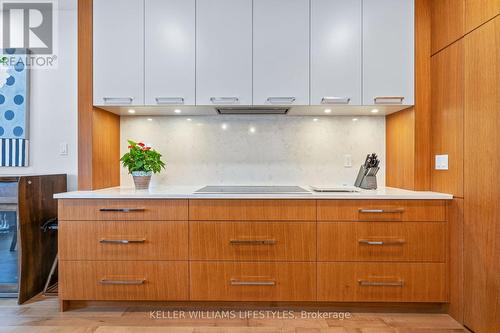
[142, 161]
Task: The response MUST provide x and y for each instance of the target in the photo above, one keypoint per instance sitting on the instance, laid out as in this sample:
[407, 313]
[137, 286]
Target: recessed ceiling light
[189, 119]
[177, 111]
[315, 119]
[374, 111]
[354, 119]
[224, 126]
[328, 110]
[252, 129]
[150, 119]
[131, 111]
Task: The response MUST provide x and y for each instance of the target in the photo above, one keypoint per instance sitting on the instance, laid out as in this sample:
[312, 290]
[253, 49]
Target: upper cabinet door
[170, 52]
[336, 52]
[281, 52]
[118, 52]
[224, 52]
[388, 52]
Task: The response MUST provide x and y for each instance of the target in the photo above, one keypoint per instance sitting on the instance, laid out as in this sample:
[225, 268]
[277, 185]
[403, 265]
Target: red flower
[146, 148]
[141, 144]
[129, 147]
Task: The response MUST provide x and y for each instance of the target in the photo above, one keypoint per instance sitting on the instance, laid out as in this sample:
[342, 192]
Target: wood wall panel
[422, 95]
[400, 149]
[85, 80]
[105, 149]
[98, 130]
[481, 190]
[448, 22]
[455, 259]
[478, 12]
[448, 118]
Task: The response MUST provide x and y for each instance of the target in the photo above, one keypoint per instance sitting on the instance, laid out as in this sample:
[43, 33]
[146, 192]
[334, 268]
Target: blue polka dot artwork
[14, 108]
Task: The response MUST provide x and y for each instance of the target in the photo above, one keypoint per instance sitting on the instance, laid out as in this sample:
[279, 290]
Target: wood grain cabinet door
[123, 240]
[382, 282]
[382, 241]
[246, 281]
[123, 210]
[252, 241]
[381, 210]
[123, 280]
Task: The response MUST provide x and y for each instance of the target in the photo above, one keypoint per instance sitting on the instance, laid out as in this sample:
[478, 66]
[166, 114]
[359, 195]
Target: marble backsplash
[257, 149]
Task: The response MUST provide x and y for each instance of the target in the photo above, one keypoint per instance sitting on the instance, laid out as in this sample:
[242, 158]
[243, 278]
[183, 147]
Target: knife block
[367, 178]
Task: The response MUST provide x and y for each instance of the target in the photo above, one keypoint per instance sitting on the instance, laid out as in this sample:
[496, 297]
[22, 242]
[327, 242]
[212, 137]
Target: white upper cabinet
[223, 52]
[118, 52]
[388, 52]
[281, 52]
[336, 52]
[169, 52]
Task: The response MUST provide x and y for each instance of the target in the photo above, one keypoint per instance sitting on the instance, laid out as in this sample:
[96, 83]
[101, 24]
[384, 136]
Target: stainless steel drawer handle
[118, 100]
[122, 241]
[281, 100]
[235, 282]
[368, 283]
[380, 211]
[382, 242]
[252, 241]
[169, 100]
[123, 282]
[388, 99]
[335, 100]
[122, 210]
[224, 100]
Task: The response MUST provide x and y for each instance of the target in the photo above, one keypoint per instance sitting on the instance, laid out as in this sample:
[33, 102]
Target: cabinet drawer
[253, 241]
[230, 281]
[91, 209]
[123, 240]
[381, 210]
[382, 282]
[123, 280]
[382, 241]
[252, 210]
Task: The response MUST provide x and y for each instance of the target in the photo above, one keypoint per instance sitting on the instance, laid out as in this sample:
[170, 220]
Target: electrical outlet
[63, 149]
[347, 161]
[441, 162]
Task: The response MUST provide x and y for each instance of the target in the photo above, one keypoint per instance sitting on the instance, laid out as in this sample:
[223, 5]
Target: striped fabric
[13, 152]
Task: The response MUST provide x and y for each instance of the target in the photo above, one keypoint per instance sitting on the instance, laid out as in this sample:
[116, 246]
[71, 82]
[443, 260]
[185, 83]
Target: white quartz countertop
[187, 192]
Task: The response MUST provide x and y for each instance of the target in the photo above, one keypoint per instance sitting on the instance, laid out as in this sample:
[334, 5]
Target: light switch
[441, 162]
[63, 149]
[347, 161]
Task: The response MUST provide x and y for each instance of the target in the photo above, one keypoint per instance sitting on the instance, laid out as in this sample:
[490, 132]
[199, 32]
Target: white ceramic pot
[142, 179]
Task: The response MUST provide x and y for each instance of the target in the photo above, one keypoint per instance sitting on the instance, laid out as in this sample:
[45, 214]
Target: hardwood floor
[42, 315]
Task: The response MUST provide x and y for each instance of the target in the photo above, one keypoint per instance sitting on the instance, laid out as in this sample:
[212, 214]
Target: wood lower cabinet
[285, 241]
[124, 280]
[253, 250]
[382, 282]
[381, 210]
[382, 241]
[123, 210]
[250, 281]
[124, 240]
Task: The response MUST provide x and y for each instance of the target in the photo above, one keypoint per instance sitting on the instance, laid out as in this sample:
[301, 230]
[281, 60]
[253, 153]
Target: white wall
[282, 150]
[53, 106]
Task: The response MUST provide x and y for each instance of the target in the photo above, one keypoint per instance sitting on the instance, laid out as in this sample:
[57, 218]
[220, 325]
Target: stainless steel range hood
[242, 110]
